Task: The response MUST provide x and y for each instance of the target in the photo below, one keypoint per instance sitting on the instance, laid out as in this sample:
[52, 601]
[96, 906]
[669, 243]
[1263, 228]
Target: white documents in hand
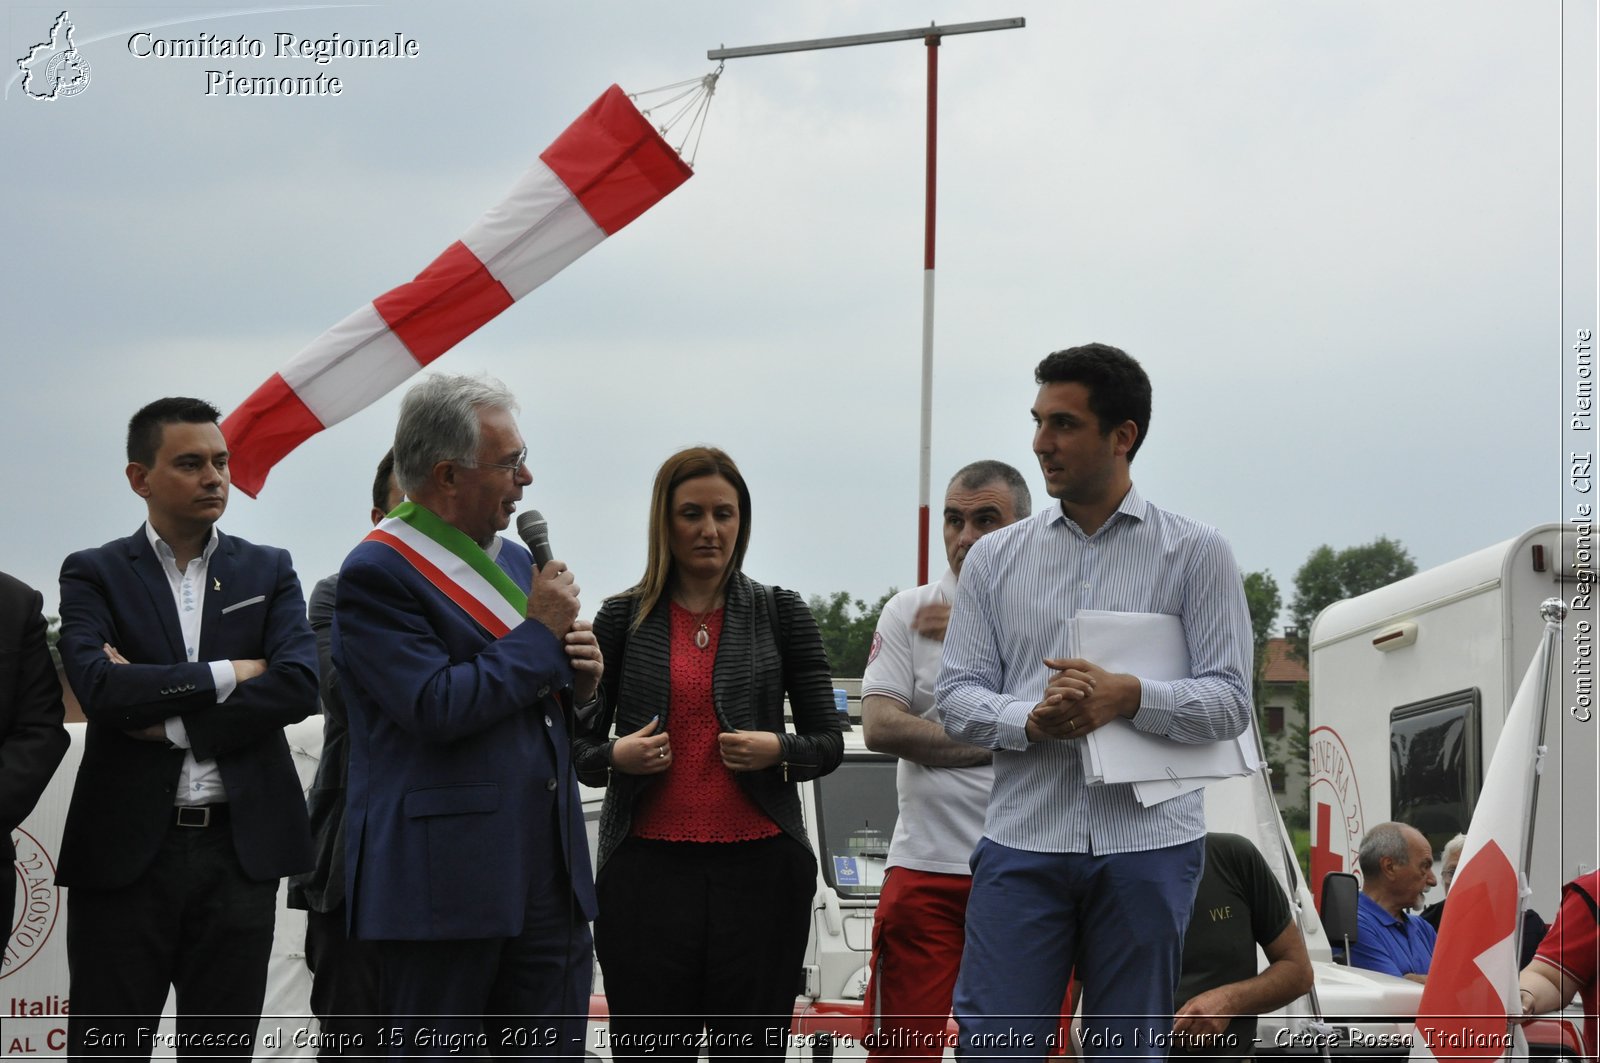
[1151, 646]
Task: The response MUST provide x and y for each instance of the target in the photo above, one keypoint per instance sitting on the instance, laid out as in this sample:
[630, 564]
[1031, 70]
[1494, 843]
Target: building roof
[1283, 667]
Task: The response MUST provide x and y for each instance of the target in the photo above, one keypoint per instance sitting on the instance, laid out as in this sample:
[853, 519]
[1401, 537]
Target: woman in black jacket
[704, 874]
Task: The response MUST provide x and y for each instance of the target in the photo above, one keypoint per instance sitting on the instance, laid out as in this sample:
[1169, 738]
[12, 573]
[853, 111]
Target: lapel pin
[216, 584]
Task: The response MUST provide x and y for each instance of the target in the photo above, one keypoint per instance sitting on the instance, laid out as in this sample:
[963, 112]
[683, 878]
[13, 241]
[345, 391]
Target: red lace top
[697, 799]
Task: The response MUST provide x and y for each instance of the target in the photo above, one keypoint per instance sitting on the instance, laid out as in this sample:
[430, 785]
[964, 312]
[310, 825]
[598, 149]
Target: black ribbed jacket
[747, 685]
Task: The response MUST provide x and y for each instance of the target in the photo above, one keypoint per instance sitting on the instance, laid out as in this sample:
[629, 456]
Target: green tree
[1331, 575]
[847, 625]
[1262, 596]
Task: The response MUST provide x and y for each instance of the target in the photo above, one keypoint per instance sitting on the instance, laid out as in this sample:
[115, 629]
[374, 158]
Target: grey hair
[439, 422]
[1454, 845]
[1384, 840]
[983, 473]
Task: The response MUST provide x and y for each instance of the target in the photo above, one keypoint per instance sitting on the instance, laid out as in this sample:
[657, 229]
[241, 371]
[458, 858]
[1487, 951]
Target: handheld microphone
[534, 531]
[535, 534]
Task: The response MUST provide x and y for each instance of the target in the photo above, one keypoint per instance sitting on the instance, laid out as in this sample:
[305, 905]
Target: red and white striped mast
[930, 36]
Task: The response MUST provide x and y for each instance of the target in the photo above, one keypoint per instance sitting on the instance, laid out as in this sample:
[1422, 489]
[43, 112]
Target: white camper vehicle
[1410, 685]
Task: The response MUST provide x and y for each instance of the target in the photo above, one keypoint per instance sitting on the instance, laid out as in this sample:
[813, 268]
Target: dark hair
[688, 464]
[145, 428]
[983, 473]
[382, 482]
[1118, 388]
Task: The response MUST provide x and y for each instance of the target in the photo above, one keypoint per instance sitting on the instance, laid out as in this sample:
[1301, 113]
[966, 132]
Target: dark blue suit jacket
[122, 801]
[463, 806]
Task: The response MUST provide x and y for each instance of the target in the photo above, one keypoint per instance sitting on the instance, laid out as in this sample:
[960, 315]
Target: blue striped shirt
[1019, 587]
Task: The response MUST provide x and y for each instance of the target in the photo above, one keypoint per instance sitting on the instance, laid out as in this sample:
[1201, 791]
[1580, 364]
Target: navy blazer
[462, 802]
[122, 801]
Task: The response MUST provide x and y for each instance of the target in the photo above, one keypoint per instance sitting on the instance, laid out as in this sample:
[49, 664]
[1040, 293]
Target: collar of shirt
[1131, 507]
[1384, 916]
[169, 558]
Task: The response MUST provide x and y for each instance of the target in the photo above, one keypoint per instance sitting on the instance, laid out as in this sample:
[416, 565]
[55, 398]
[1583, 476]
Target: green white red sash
[461, 570]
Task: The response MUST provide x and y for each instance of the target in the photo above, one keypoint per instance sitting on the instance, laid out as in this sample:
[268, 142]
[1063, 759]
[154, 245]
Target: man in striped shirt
[1071, 875]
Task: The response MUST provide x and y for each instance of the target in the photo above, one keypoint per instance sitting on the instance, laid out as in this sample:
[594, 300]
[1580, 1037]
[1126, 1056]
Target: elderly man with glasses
[461, 665]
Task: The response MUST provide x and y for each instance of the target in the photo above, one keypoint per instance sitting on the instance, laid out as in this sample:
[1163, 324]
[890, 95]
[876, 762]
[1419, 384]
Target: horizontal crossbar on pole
[921, 33]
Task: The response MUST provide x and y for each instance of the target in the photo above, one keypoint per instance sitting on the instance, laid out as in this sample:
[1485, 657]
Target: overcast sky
[1331, 231]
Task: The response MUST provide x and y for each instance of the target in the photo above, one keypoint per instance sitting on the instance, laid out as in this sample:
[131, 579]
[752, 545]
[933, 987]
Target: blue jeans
[1035, 918]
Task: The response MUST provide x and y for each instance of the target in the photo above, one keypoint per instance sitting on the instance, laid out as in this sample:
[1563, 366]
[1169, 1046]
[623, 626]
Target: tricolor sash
[461, 570]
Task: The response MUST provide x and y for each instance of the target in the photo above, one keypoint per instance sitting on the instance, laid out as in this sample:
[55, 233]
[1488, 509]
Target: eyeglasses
[513, 468]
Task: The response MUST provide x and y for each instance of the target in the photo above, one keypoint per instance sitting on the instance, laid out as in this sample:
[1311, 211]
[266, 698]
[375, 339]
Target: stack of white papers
[1151, 646]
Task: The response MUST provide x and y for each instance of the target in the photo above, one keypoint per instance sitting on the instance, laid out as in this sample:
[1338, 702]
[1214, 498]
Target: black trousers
[703, 944]
[344, 987]
[192, 921]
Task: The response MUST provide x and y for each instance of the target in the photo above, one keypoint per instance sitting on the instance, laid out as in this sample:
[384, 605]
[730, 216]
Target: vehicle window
[857, 809]
[1434, 764]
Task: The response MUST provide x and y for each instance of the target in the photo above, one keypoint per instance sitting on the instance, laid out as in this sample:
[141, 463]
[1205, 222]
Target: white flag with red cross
[1472, 982]
[609, 167]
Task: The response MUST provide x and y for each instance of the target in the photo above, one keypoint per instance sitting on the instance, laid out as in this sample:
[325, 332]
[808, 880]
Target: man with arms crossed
[1067, 874]
[466, 859]
[189, 652]
[943, 785]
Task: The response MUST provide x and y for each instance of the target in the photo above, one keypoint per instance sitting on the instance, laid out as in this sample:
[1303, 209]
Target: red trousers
[917, 936]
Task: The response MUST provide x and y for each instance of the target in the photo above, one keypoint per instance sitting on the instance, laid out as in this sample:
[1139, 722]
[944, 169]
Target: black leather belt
[197, 817]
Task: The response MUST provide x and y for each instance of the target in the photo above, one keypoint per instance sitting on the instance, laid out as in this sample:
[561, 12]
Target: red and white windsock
[609, 167]
[1472, 981]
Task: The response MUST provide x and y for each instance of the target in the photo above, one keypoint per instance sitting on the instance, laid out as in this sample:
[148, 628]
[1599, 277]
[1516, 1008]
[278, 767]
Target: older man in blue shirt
[1396, 870]
[1071, 875]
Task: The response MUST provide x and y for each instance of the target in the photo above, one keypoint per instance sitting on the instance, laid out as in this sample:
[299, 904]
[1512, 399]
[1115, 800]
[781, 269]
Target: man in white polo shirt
[943, 784]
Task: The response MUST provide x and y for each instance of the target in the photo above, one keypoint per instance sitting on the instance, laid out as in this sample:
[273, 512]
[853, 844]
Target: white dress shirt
[199, 783]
